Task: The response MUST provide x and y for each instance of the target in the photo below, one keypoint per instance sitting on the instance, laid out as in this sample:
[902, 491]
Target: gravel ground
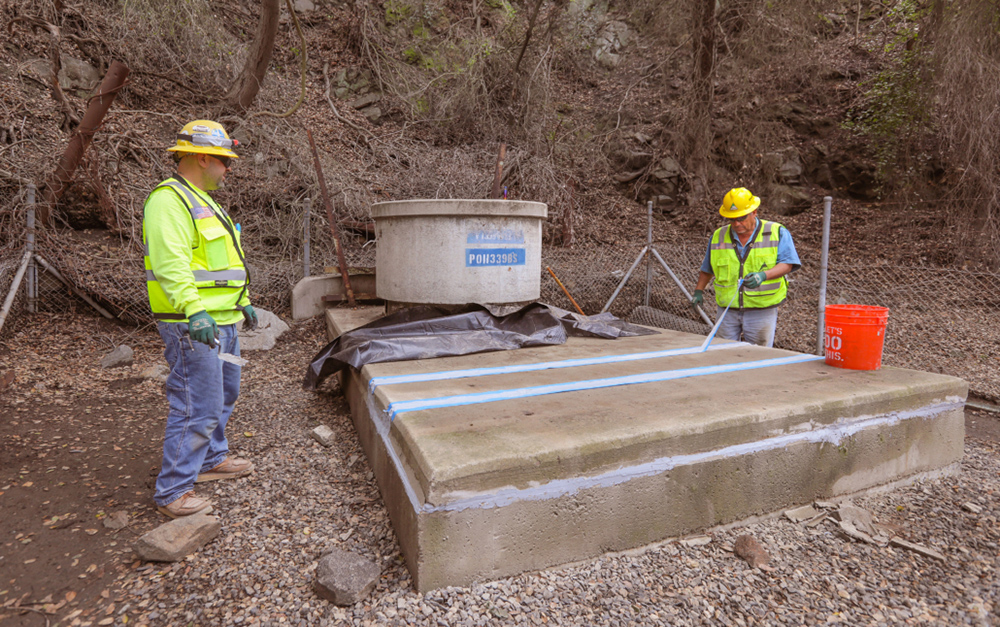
[304, 499]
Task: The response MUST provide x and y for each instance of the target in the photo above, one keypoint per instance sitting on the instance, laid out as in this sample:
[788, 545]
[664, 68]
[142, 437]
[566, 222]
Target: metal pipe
[13, 288]
[687, 294]
[618, 289]
[344, 274]
[649, 246]
[32, 287]
[48, 267]
[823, 261]
[305, 238]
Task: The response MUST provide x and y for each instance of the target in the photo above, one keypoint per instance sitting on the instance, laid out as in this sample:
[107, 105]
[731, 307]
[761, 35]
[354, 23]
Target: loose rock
[120, 357]
[159, 372]
[344, 578]
[323, 434]
[172, 541]
[749, 549]
[116, 520]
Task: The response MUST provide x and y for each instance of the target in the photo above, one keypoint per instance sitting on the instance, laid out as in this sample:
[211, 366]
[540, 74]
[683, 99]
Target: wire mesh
[940, 320]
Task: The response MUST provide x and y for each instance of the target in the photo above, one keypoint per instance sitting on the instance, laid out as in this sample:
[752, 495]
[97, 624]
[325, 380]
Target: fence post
[824, 259]
[649, 246]
[305, 238]
[32, 273]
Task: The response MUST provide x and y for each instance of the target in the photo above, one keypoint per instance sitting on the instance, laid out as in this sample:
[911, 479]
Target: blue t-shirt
[786, 249]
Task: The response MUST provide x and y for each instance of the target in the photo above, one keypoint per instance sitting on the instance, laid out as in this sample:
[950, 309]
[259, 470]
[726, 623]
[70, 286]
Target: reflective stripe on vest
[728, 268]
[220, 288]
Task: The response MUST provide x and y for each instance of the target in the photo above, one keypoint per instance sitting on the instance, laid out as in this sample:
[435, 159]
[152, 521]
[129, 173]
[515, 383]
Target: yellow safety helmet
[738, 202]
[205, 137]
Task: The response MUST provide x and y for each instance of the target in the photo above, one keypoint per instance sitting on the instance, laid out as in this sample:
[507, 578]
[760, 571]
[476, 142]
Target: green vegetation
[895, 111]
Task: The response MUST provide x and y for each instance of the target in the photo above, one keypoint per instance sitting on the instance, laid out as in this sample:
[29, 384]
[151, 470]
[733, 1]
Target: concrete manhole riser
[459, 521]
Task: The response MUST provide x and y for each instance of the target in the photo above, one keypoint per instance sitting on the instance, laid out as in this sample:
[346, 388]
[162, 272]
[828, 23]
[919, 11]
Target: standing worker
[197, 281]
[760, 253]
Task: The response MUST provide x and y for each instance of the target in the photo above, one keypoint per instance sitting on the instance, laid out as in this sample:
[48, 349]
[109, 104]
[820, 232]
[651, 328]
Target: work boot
[185, 506]
[230, 468]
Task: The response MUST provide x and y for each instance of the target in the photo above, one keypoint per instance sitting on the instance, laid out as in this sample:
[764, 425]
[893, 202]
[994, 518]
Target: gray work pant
[755, 326]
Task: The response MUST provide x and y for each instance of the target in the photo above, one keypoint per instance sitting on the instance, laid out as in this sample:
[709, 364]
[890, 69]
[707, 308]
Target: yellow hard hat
[205, 137]
[738, 202]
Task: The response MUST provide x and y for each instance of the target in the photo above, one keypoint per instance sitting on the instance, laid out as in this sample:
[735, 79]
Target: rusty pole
[60, 179]
[498, 177]
[333, 223]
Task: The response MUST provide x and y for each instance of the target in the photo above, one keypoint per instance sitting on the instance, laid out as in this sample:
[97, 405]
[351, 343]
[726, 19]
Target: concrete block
[308, 293]
[344, 578]
[486, 490]
[171, 541]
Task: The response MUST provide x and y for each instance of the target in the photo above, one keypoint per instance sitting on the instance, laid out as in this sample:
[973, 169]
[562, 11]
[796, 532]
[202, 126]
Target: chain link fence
[940, 320]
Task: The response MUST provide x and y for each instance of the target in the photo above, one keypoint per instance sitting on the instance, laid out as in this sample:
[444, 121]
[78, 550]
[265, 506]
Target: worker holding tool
[197, 282]
[749, 259]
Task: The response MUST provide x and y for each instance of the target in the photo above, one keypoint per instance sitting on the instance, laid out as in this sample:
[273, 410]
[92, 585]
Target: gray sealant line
[832, 434]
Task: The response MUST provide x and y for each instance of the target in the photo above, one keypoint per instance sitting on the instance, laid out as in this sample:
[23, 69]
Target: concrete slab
[340, 320]
[485, 490]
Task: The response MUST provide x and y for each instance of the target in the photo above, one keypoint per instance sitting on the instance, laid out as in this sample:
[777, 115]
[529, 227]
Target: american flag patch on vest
[202, 212]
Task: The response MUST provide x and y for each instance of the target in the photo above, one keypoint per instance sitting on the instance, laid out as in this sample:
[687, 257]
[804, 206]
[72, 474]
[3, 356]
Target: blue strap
[399, 407]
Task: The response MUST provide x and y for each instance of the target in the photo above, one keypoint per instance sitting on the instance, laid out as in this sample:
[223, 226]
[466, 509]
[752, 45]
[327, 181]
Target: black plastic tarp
[425, 332]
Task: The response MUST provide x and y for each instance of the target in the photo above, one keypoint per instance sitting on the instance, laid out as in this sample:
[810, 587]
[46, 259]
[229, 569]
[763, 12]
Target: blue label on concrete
[496, 236]
[478, 257]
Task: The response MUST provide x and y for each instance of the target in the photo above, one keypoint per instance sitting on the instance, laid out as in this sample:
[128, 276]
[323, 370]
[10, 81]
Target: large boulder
[74, 75]
[784, 200]
[610, 41]
[269, 328]
[783, 166]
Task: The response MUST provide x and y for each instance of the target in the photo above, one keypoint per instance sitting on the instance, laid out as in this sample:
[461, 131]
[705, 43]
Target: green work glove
[202, 328]
[754, 279]
[698, 298]
[250, 318]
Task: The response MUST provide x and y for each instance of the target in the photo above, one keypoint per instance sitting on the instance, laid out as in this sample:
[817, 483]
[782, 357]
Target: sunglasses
[226, 161]
[739, 219]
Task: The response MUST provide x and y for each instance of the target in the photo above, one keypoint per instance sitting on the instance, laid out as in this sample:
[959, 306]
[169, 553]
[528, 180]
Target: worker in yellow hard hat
[197, 280]
[749, 259]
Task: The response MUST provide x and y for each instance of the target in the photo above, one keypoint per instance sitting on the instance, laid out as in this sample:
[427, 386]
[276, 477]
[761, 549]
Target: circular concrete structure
[452, 252]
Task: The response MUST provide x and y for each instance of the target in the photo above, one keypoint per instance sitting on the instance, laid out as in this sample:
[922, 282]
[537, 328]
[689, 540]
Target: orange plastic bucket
[855, 335]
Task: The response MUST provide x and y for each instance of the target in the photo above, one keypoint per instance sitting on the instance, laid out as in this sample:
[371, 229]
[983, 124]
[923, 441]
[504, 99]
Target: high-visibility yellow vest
[728, 268]
[217, 261]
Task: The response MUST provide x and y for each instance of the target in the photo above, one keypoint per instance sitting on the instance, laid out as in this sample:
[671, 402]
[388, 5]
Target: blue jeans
[201, 391]
[756, 326]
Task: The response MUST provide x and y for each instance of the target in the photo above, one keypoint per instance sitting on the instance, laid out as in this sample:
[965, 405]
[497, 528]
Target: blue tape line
[374, 382]
[399, 407]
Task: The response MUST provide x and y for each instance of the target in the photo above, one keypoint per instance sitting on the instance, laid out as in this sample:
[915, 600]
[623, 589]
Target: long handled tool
[565, 291]
[718, 323]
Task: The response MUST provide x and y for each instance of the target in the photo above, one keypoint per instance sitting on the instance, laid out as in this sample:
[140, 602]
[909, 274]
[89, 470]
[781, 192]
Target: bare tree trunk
[527, 35]
[700, 116]
[243, 92]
